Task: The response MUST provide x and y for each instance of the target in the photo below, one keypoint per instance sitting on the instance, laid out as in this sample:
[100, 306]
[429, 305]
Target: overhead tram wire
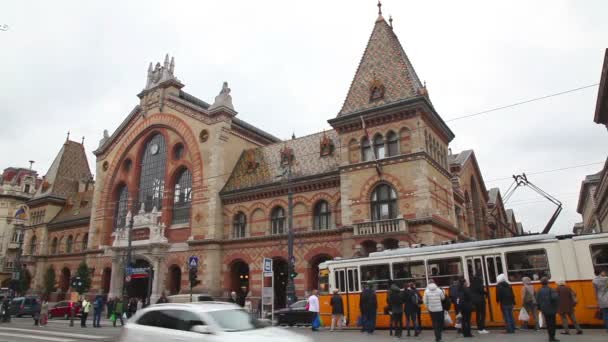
[546, 171]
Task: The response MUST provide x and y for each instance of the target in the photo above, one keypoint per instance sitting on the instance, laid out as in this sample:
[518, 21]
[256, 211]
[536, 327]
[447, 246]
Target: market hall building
[197, 180]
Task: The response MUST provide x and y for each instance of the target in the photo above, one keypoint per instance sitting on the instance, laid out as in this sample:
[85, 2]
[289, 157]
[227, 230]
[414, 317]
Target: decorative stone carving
[326, 146]
[223, 99]
[160, 74]
[287, 156]
[105, 165]
[204, 136]
[105, 137]
[150, 221]
[251, 163]
[376, 89]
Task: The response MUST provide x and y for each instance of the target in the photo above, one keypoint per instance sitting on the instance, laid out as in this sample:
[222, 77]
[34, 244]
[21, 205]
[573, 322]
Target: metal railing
[380, 227]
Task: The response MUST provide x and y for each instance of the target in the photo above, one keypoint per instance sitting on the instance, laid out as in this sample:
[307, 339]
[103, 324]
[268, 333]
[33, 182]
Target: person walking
[131, 307]
[466, 307]
[313, 306]
[119, 311]
[395, 303]
[86, 308]
[36, 315]
[97, 310]
[411, 304]
[506, 299]
[548, 300]
[600, 284]
[368, 306]
[433, 298]
[567, 302]
[478, 293]
[44, 312]
[163, 299]
[337, 310]
[110, 308]
[528, 300]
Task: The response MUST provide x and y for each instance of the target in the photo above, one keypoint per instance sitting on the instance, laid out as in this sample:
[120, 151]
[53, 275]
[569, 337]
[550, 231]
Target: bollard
[72, 315]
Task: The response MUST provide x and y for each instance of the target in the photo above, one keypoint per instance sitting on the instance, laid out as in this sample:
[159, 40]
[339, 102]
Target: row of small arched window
[55, 244]
[380, 147]
[435, 149]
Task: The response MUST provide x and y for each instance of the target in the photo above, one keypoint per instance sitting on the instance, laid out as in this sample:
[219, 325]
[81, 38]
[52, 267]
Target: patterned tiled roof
[68, 169]
[261, 166]
[77, 207]
[459, 158]
[384, 62]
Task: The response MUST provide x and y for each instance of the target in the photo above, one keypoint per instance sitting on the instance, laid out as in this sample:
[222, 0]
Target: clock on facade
[154, 148]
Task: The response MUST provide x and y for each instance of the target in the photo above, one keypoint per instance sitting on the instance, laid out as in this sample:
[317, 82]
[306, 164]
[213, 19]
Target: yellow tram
[574, 259]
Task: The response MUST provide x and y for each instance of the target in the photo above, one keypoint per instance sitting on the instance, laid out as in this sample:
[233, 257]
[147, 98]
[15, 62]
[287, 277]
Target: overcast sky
[78, 65]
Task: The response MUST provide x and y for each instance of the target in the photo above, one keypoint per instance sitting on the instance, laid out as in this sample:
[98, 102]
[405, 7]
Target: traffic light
[293, 274]
[193, 277]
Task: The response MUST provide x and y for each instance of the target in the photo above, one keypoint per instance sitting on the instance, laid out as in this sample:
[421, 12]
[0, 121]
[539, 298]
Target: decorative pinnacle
[390, 20]
[82, 143]
[379, 8]
[68, 137]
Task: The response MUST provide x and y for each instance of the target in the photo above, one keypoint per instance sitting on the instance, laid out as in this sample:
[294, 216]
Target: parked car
[185, 298]
[24, 306]
[62, 309]
[204, 321]
[295, 314]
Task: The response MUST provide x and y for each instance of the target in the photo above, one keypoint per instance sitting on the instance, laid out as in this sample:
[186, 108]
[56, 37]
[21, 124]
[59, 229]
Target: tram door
[347, 282]
[488, 267]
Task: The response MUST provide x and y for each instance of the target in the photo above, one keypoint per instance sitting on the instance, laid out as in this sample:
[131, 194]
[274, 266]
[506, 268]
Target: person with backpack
[434, 300]
[567, 302]
[411, 305]
[479, 294]
[395, 302]
[337, 310]
[506, 299]
[368, 306]
[548, 300]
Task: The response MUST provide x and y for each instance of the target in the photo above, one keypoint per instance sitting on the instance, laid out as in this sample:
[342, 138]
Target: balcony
[397, 225]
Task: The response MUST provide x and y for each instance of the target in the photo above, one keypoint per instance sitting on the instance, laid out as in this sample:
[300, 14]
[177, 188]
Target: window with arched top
[384, 203]
[182, 197]
[277, 221]
[366, 150]
[85, 241]
[392, 143]
[54, 246]
[379, 146]
[239, 225]
[122, 203]
[152, 176]
[33, 245]
[69, 244]
[322, 216]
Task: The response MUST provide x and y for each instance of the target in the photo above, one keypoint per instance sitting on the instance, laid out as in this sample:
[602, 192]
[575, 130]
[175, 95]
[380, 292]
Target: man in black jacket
[478, 294]
[368, 306]
[506, 299]
[548, 300]
[337, 310]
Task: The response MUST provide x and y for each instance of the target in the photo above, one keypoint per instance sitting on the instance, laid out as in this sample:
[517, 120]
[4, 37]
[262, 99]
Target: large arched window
[182, 197]
[393, 143]
[85, 241]
[70, 244]
[277, 220]
[33, 245]
[379, 146]
[120, 213]
[152, 177]
[384, 203]
[239, 225]
[366, 150]
[322, 216]
[54, 246]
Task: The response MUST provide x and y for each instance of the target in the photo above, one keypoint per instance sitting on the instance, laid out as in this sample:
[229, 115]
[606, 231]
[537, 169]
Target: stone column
[159, 279]
[116, 280]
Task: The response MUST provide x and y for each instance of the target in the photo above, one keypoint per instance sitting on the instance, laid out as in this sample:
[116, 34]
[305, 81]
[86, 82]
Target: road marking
[54, 333]
[36, 337]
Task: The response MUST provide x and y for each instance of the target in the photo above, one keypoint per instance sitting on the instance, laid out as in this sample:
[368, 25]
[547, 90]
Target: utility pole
[125, 293]
[290, 290]
[18, 267]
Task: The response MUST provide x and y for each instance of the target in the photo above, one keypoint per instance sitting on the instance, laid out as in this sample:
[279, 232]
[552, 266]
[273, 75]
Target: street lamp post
[129, 256]
[290, 290]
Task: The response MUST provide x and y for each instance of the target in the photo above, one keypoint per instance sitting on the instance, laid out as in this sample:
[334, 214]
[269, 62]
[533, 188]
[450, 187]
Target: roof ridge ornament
[223, 99]
[158, 74]
[379, 7]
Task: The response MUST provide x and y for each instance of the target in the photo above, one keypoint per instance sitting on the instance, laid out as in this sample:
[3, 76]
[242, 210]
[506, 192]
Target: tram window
[376, 276]
[340, 281]
[444, 271]
[492, 275]
[599, 257]
[409, 272]
[533, 264]
[353, 280]
[324, 281]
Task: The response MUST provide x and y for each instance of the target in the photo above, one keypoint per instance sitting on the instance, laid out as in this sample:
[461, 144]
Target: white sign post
[267, 292]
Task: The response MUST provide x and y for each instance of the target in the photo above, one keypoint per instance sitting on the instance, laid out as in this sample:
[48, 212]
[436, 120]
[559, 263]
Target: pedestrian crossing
[40, 334]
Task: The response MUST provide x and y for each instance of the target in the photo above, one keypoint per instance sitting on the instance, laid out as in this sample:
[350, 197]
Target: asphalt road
[22, 330]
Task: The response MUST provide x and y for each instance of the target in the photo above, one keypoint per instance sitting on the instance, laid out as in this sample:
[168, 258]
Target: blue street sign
[193, 261]
[267, 265]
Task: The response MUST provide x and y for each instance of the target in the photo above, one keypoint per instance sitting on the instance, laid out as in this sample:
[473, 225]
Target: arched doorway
[239, 277]
[175, 279]
[390, 243]
[64, 284]
[279, 267]
[106, 276]
[313, 273]
[367, 247]
[140, 285]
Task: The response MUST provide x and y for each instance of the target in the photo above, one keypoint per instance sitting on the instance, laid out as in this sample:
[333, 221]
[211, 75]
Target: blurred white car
[205, 321]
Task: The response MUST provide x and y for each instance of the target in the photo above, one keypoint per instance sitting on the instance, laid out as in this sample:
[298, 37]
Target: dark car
[24, 306]
[62, 309]
[295, 314]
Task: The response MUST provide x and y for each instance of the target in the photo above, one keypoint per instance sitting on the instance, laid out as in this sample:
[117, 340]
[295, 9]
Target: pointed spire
[68, 137]
[293, 136]
[379, 8]
[172, 65]
[390, 20]
[166, 64]
[82, 143]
